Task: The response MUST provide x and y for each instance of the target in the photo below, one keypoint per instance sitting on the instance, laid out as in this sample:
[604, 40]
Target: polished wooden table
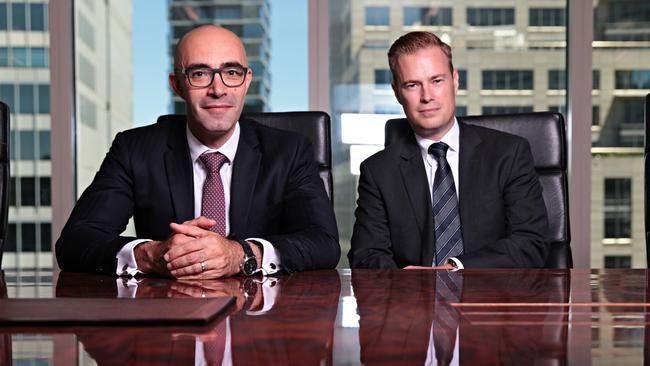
[344, 317]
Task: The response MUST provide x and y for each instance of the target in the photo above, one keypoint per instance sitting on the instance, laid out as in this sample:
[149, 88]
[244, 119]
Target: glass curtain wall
[511, 58]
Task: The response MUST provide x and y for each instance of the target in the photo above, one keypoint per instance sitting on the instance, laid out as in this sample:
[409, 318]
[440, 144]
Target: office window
[558, 109]
[43, 98]
[12, 237]
[595, 75]
[38, 17]
[12, 190]
[18, 17]
[46, 237]
[507, 109]
[45, 191]
[3, 16]
[7, 96]
[618, 207]
[26, 147]
[44, 145]
[383, 78]
[377, 15]
[461, 110]
[26, 98]
[87, 112]
[482, 17]
[557, 79]
[632, 110]
[86, 31]
[422, 15]
[27, 191]
[547, 17]
[253, 31]
[86, 72]
[507, 79]
[39, 57]
[618, 261]
[462, 79]
[19, 57]
[629, 336]
[595, 115]
[28, 242]
[632, 79]
[4, 56]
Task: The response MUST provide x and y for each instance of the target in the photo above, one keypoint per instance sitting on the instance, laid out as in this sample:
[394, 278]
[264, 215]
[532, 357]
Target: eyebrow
[436, 76]
[206, 66]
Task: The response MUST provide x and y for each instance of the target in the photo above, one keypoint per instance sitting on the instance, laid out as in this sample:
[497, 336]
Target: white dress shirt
[452, 139]
[126, 265]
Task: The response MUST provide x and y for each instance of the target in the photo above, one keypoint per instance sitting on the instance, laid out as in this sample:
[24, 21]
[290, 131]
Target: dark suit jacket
[502, 212]
[276, 194]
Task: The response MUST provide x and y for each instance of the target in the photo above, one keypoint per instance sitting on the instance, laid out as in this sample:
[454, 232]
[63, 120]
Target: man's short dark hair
[412, 42]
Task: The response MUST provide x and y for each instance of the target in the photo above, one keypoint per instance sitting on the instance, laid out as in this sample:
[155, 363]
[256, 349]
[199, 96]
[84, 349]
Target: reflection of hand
[444, 266]
[215, 288]
[206, 255]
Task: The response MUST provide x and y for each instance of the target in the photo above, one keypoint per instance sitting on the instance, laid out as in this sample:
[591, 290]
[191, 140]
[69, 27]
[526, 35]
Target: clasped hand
[191, 252]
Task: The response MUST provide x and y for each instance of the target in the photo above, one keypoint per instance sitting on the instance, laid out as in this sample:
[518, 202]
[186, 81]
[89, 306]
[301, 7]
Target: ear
[176, 85]
[455, 77]
[396, 91]
[249, 78]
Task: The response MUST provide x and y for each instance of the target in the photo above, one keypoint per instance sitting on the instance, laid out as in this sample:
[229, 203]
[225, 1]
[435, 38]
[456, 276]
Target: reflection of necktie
[445, 319]
[449, 238]
[213, 203]
[214, 349]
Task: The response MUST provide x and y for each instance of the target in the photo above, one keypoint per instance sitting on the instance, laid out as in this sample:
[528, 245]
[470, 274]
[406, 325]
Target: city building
[511, 58]
[103, 103]
[250, 20]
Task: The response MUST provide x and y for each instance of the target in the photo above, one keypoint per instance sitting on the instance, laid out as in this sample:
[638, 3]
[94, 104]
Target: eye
[235, 71]
[199, 73]
[410, 85]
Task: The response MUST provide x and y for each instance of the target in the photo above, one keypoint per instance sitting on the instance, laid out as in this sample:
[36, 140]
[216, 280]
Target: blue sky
[151, 63]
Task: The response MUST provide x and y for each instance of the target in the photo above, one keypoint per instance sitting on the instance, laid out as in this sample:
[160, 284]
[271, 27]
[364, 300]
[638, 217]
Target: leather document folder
[87, 311]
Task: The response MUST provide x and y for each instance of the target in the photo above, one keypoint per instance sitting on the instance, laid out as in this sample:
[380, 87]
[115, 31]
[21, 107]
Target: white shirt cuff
[457, 262]
[270, 259]
[126, 265]
[127, 288]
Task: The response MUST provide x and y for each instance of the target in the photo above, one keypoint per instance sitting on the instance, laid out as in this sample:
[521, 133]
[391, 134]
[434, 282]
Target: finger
[177, 250]
[188, 260]
[189, 230]
[202, 222]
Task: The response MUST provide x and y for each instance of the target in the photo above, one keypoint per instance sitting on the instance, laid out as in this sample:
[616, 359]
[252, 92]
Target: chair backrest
[646, 179]
[313, 125]
[4, 175]
[546, 134]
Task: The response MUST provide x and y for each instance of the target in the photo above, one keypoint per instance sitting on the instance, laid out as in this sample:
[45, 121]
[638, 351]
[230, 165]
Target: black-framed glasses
[201, 77]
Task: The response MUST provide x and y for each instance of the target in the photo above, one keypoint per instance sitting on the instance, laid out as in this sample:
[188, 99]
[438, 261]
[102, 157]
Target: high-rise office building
[103, 102]
[250, 20]
[511, 57]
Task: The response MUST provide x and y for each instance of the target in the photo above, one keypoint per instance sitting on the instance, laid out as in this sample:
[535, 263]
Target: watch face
[249, 266]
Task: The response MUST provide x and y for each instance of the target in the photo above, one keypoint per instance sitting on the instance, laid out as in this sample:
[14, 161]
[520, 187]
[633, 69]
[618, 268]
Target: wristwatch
[249, 264]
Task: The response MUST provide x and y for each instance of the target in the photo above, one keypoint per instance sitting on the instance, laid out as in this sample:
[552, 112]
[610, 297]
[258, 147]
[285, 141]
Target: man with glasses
[212, 194]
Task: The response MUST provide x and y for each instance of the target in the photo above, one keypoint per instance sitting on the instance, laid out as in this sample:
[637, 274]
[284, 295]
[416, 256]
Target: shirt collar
[228, 149]
[451, 138]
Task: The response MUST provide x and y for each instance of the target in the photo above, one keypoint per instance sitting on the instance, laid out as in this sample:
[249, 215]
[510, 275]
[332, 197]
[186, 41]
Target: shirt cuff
[126, 265]
[270, 259]
[457, 262]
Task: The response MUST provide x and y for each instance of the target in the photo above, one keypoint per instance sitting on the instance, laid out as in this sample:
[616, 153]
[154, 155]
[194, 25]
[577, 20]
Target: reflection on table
[373, 317]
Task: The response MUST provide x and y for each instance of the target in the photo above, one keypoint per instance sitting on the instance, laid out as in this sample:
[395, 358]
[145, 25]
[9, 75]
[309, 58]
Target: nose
[426, 95]
[217, 89]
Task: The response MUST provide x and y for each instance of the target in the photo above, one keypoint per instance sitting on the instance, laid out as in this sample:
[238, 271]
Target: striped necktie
[446, 217]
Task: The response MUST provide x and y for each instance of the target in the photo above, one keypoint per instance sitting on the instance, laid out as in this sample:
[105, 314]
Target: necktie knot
[438, 150]
[213, 161]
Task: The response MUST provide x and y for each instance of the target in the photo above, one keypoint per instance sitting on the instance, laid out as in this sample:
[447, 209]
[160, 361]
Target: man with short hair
[448, 195]
[212, 195]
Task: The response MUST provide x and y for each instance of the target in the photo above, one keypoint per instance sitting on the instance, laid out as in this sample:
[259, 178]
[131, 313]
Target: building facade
[250, 20]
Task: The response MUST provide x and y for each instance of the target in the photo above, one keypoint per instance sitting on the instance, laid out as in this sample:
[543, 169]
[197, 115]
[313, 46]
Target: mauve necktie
[213, 203]
[446, 217]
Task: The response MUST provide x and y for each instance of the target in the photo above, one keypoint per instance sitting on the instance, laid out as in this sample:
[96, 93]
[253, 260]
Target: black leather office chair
[315, 126]
[4, 175]
[646, 179]
[546, 133]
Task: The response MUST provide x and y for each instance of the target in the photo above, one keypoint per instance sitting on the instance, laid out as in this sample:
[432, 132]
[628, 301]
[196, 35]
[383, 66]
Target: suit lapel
[415, 182]
[178, 167]
[244, 176]
[468, 165]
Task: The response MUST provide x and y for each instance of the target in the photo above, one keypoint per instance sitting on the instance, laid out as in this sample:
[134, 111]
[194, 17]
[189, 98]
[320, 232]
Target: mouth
[217, 106]
[429, 111]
